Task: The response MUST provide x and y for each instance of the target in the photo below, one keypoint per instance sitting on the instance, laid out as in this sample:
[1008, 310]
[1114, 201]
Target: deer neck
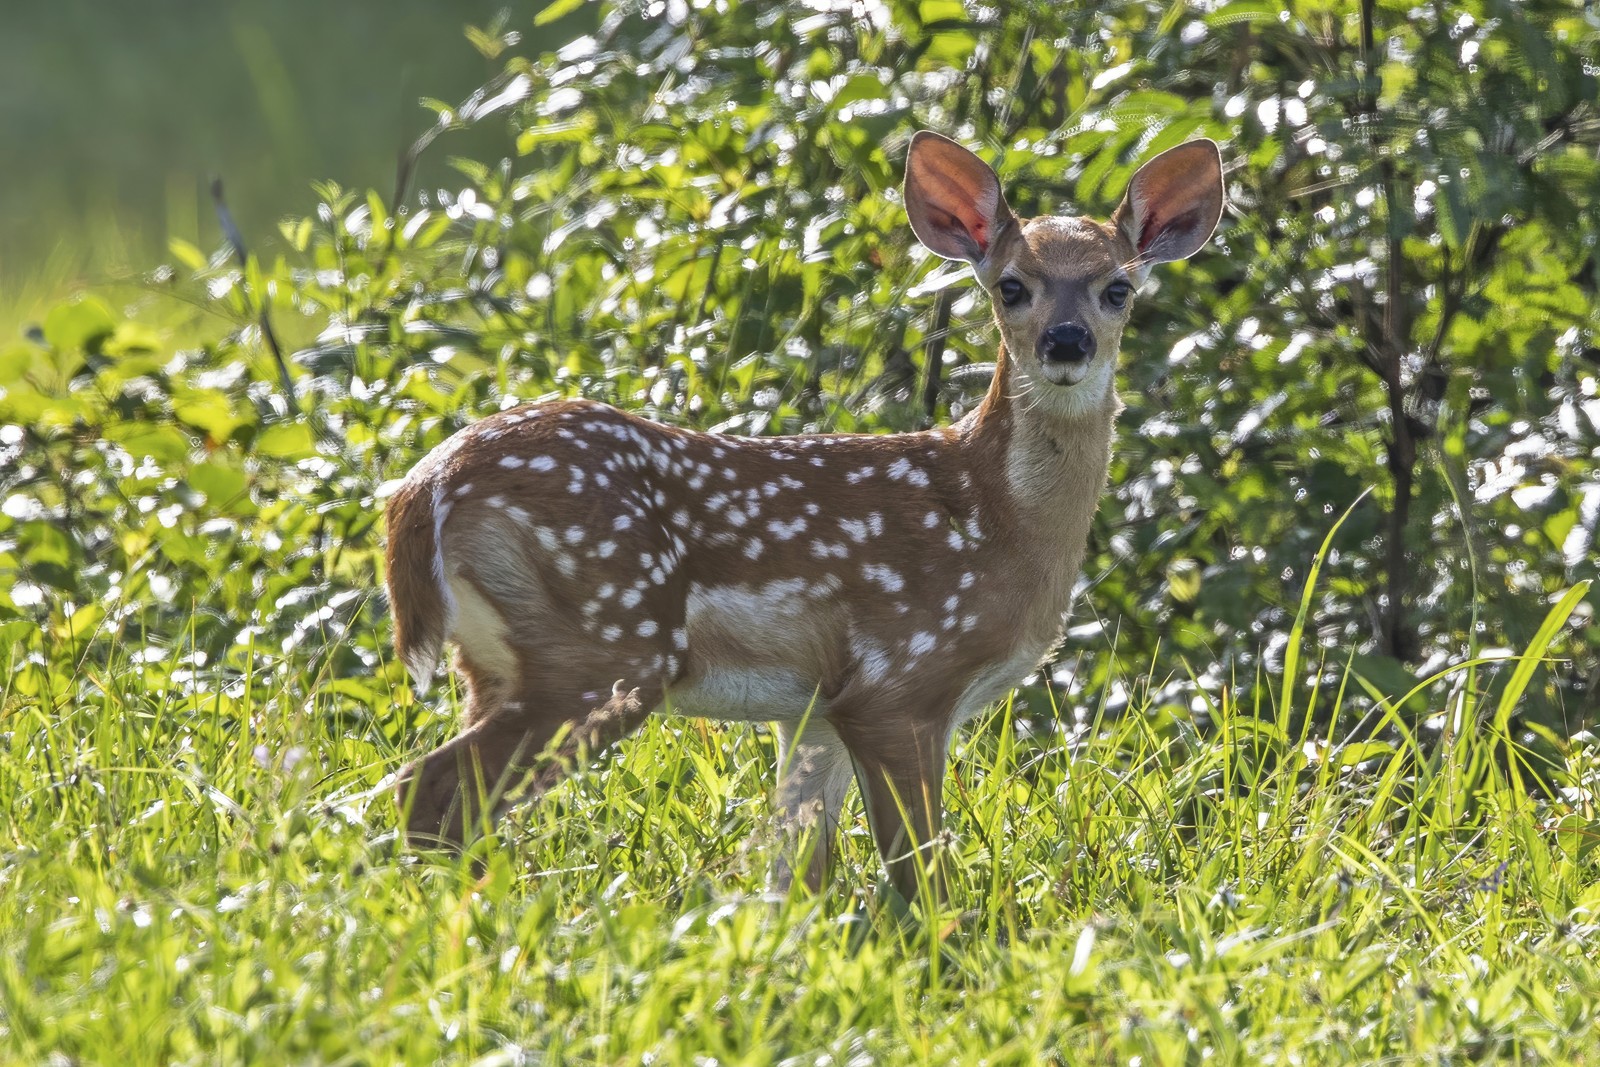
[1053, 443]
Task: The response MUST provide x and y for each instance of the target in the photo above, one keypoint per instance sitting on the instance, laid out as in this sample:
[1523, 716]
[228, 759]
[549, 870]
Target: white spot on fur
[511, 462]
[787, 531]
[611, 633]
[647, 628]
[541, 463]
[922, 642]
[872, 657]
[883, 575]
[901, 470]
[855, 529]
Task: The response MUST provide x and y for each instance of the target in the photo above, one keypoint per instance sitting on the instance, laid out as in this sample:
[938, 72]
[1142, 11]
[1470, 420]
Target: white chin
[1065, 373]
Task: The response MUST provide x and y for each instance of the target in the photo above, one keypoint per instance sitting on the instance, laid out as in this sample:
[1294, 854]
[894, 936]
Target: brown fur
[877, 589]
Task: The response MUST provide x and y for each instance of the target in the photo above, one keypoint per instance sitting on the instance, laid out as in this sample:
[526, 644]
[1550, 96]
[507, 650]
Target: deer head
[1062, 287]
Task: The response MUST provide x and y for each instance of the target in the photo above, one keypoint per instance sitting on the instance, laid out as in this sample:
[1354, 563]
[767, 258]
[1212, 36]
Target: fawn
[866, 593]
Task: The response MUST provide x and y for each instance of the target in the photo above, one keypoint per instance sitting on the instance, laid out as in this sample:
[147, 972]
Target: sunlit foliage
[699, 218]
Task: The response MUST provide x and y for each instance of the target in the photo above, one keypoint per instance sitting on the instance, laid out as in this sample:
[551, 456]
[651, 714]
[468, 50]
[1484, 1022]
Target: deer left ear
[1172, 205]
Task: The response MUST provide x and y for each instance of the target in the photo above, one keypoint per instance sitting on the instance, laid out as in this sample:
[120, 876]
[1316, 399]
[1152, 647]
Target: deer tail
[419, 594]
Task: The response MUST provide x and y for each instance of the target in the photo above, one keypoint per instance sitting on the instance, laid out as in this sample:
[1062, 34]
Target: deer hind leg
[901, 766]
[814, 775]
[522, 691]
[456, 791]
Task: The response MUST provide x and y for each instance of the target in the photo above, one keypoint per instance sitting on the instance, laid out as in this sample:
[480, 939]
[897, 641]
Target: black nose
[1066, 342]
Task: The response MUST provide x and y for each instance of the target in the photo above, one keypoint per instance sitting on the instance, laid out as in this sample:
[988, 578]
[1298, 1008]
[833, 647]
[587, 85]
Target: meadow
[204, 878]
[1313, 780]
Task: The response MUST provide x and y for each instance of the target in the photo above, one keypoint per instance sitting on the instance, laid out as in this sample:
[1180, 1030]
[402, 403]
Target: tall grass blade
[1291, 654]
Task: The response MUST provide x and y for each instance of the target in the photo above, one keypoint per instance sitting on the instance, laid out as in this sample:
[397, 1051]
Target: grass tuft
[205, 871]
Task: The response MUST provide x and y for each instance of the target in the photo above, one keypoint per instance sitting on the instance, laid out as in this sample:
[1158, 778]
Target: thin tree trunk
[1396, 637]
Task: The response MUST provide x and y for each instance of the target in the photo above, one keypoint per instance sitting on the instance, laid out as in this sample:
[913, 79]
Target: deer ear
[1172, 204]
[953, 198]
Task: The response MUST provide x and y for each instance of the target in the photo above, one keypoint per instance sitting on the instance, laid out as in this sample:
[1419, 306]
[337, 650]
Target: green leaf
[166, 445]
[559, 9]
[207, 410]
[287, 440]
[16, 362]
[186, 253]
[1361, 751]
[81, 324]
[220, 482]
[1243, 11]
[1535, 654]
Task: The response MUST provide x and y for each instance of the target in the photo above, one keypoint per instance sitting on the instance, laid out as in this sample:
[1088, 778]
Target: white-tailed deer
[881, 590]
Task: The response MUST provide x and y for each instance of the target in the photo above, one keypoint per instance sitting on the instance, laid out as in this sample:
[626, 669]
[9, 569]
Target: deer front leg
[900, 763]
[813, 776]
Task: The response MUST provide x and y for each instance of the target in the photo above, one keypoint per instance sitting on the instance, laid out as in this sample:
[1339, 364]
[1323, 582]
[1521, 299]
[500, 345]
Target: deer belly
[757, 652]
[746, 694]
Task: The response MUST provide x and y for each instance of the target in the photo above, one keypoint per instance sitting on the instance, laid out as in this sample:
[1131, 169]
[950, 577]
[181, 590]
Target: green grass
[192, 870]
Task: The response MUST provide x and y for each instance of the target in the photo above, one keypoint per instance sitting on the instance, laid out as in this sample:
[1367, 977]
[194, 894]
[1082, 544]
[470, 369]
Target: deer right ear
[953, 198]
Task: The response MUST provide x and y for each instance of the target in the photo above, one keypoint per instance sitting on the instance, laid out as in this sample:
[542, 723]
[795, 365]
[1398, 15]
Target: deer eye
[1012, 292]
[1117, 294]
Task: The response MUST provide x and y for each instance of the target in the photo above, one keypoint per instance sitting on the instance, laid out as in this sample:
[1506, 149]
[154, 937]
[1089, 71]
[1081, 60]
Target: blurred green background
[114, 117]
